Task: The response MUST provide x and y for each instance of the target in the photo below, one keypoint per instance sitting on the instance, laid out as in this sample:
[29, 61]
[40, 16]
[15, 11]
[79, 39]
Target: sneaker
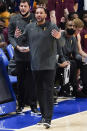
[35, 111]
[41, 121]
[55, 102]
[19, 110]
[47, 124]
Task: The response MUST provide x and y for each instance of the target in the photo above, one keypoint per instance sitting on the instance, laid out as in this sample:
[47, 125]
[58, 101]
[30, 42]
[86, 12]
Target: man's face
[70, 28]
[78, 30]
[70, 25]
[24, 8]
[40, 15]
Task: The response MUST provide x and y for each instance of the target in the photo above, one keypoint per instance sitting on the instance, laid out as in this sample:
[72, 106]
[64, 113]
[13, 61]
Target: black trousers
[73, 75]
[83, 74]
[44, 81]
[72, 78]
[25, 85]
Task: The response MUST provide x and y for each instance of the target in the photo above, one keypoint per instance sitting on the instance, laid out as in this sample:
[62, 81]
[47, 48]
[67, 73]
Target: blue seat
[7, 95]
[10, 51]
[13, 79]
[4, 57]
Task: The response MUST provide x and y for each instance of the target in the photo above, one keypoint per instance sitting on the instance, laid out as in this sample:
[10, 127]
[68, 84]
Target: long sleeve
[75, 53]
[11, 31]
[60, 53]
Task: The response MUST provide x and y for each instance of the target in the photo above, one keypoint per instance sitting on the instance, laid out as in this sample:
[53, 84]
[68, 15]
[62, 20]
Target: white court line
[8, 129]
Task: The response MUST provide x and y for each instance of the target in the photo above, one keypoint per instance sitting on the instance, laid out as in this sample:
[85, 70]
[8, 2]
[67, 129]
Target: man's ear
[46, 16]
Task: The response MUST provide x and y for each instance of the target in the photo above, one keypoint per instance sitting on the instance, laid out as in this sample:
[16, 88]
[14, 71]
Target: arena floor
[69, 115]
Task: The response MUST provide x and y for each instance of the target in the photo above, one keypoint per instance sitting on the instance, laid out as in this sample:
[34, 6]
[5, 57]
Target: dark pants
[73, 75]
[83, 73]
[44, 81]
[25, 85]
[72, 78]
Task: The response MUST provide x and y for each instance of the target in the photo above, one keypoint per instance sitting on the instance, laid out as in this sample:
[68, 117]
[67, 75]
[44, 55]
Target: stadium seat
[10, 51]
[13, 79]
[4, 57]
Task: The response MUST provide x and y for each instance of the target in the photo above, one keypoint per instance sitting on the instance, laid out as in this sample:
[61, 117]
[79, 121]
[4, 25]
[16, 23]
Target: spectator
[24, 73]
[84, 49]
[78, 26]
[70, 52]
[43, 60]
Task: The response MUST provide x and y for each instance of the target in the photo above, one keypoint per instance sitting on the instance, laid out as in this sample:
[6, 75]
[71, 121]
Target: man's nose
[23, 7]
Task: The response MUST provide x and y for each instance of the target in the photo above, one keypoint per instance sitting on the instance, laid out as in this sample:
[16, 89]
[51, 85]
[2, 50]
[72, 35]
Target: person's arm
[53, 16]
[5, 33]
[56, 34]
[75, 52]
[3, 44]
[61, 60]
[23, 35]
[2, 41]
[79, 46]
[51, 6]
[77, 56]
[11, 32]
[76, 6]
[66, 13]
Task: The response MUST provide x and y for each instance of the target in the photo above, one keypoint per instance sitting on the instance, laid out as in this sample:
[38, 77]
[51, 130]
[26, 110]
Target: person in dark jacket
[42, 39]
[70, 52]
[26, 89]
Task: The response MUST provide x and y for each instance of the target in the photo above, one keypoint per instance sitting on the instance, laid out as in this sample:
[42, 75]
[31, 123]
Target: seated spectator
[84, 50]
[78, 26]
[70, 52]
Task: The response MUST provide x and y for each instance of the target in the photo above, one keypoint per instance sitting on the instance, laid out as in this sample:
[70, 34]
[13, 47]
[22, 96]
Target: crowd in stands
[71, 63]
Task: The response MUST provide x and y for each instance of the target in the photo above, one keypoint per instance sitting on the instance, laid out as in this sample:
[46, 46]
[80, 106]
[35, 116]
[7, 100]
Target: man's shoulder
[52, 26]
[14, 17]
[32, 15]
[32, 24]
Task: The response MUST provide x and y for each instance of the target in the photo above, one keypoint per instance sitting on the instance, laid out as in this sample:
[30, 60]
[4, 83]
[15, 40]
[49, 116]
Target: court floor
[69, 115]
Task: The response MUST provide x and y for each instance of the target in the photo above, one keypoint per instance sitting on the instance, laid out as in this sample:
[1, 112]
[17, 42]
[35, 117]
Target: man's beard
[24, 15]
[40, 20]
[70, 31]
